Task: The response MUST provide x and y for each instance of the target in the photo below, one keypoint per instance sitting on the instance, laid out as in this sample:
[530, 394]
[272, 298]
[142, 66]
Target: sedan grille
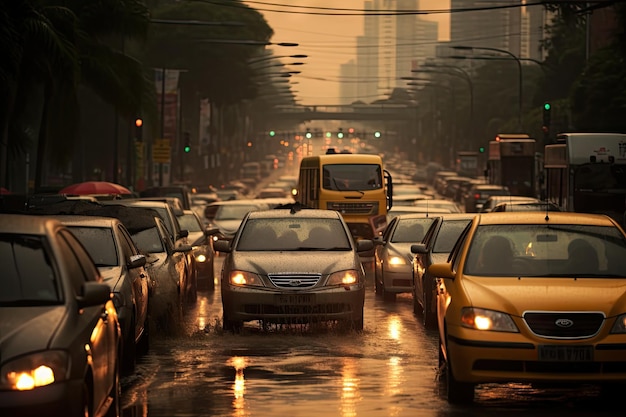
[294, 281]
[564, 325]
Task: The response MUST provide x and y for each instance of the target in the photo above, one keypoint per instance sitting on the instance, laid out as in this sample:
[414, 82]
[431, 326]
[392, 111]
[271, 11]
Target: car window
[411, 230]
[88, 268]
[100, 244]
[190, 222]
[547, 250]
[293, 234]
[149, 241]
[449, 233]
[28, 276]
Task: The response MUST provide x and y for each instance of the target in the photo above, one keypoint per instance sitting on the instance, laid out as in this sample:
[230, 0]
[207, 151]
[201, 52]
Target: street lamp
[519, 67]
[463, 74]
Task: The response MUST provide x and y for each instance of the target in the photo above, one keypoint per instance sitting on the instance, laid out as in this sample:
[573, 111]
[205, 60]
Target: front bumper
[335, 303]
[480, 357]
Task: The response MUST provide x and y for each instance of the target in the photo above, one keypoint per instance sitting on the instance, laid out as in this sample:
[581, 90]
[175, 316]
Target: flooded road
[390, 369]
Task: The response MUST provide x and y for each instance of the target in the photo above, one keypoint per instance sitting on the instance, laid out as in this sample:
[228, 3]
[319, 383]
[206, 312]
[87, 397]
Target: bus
[586, 173]
[513, 162]
[356, 185]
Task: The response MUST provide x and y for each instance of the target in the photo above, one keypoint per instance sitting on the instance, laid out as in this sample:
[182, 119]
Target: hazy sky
[329, 41]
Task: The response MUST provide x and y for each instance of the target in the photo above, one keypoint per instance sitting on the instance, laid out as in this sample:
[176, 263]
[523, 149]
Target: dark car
[435, 247]
[293, 266]
[392, 259]
[168, 214]
[476, 196]
[59, 334]
[200, 240]
[122, 267]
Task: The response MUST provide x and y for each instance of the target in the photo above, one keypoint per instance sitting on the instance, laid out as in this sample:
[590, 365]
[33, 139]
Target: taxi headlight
[482, 319]
[243, 278]
[620, 324]
[347, 277]
[34, 370]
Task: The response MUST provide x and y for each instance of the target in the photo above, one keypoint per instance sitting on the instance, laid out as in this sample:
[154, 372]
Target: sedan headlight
[395, 260]
[34, 370]
[347, 277]
[201, 258]
[481, 319]
[620, 324]
[242, 278]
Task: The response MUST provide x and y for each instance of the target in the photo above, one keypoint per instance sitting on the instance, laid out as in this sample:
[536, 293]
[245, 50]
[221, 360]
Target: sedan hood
[24, 329]
[515, 296]
[112, 276]
[294, 262]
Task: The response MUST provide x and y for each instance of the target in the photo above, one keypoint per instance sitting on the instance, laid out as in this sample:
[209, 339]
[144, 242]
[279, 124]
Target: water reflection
[239, 386]
[350, 394]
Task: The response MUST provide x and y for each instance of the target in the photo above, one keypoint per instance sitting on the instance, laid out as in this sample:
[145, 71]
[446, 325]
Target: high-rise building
[348, 85]
[391, 46]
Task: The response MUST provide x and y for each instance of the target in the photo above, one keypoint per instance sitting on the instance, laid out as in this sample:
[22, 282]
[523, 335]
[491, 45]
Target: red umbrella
[95, 187]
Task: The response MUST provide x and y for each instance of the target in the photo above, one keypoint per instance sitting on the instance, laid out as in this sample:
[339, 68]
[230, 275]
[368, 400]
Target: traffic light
[186, 142]
[139, 129]
[328, 134]
[481, 149]
[377, 134]
[340, 133]
[546, 115]
[308, 134]
[272, 133]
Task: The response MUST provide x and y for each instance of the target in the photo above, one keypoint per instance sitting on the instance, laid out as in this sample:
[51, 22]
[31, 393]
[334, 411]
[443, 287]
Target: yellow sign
[161, 151]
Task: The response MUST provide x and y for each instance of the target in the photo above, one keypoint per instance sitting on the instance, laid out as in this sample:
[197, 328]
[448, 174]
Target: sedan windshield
[547, 250]
[28, 277]
[290, 234]
[99, 243]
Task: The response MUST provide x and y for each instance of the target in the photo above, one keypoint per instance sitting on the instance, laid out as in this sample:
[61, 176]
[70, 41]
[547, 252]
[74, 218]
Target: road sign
[161, 151]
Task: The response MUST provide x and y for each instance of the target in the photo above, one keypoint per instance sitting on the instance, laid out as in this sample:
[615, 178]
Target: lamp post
[519, 67]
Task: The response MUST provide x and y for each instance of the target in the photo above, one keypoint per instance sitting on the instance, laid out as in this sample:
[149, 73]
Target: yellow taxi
[535, 297]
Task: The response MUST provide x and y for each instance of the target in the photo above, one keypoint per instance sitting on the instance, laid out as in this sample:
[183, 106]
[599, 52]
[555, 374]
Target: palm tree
[62, 47]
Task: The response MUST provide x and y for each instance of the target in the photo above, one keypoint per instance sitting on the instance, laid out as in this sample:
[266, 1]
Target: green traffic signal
[187, 149]
[272, 133]
[377, 134]
[547, 106]
[481, 149]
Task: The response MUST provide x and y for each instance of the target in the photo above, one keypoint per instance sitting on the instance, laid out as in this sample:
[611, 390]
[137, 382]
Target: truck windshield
[352, 177]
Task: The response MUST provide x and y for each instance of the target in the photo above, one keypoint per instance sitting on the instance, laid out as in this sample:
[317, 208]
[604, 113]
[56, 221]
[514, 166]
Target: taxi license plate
[294, 299]
[553, 353]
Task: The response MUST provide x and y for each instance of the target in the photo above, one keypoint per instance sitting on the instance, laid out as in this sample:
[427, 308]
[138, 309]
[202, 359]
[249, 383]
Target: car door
[95, 327]
[138, 277]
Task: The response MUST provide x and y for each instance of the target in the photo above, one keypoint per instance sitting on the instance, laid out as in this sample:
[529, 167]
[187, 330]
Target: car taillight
[476, 196]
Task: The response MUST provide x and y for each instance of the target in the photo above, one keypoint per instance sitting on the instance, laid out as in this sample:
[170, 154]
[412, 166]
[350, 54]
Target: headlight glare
[35, 370]
[482, 319]
[242, 278]
[347, 277]
[397, 260]
[201, 258]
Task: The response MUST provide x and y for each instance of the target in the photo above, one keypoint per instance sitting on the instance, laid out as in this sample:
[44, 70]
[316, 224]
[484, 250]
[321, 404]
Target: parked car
[435, 247]
[202, 247]
[182, 192]
[59, 333]
[476, 196]
[392, 258]
[122, 266]
[293, 266]
[535, 298]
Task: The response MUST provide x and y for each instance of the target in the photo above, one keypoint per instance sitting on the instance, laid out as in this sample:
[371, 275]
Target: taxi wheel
[457, 392]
